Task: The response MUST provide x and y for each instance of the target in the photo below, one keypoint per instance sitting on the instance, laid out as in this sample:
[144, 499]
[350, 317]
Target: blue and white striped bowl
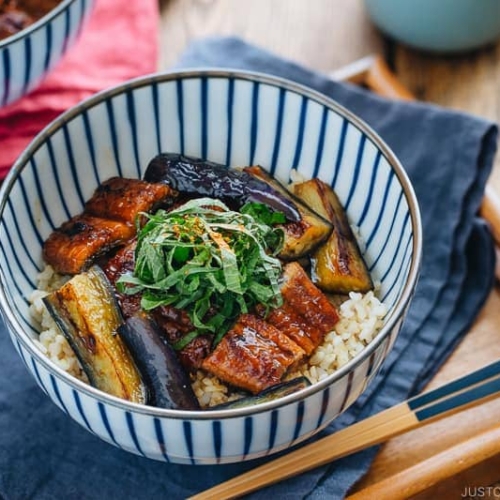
[229, 117]
[28, 56]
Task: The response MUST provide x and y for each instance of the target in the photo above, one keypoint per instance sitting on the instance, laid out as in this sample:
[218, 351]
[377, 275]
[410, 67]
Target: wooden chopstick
[435, 469]
[464, 392]
[490, 210]
[374, 73]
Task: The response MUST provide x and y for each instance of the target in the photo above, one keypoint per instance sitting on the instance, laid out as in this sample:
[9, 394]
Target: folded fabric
[117, 44]
[448, 156]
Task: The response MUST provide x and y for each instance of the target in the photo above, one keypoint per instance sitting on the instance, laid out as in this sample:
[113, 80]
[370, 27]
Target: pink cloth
[118, 43]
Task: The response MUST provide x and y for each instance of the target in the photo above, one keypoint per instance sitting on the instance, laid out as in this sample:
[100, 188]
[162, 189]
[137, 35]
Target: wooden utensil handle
[435, 469]
[384, 82]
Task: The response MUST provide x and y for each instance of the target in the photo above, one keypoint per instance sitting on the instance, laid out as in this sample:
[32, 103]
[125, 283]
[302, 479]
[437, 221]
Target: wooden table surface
[326, 35]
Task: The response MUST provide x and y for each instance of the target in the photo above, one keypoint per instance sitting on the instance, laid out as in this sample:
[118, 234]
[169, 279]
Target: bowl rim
[398, 310]
[42, 21]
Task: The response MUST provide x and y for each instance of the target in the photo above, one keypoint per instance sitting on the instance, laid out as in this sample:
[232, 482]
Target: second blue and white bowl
[28, 56]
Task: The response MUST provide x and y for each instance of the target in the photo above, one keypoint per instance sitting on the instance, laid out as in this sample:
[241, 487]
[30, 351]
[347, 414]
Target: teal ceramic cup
[438, 25]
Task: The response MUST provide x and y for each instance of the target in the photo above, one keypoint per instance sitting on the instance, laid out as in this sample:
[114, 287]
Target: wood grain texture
[308, 32]
[468, 82]
[440, 466]
[325, 35]
[479, 347]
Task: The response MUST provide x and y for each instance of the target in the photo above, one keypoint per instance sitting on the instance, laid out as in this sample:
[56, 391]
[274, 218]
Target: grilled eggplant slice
[87, 313]
[205, 178]
[167, 381]
[276, 391]
[303, 236]
[337, 266]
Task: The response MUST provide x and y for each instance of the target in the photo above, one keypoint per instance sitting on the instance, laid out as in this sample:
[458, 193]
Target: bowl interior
[233, 118]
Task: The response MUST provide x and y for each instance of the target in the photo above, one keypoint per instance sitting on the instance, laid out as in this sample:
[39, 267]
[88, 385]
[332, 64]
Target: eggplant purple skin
[167, 382]
[200, 177]
[269, 394]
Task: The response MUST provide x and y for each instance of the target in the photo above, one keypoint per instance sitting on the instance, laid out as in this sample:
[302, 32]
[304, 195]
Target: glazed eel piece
[253, 355]
[257, 352]
[108, 220]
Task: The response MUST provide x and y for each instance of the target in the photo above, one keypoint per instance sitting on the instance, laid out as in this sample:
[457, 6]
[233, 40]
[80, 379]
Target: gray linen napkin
[448, 156]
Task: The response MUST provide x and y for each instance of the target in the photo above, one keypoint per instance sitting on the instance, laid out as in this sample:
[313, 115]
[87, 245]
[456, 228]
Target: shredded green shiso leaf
[212, 262]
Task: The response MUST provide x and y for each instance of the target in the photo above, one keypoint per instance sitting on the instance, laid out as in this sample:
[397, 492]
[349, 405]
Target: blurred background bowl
[235, 118]
[438, 25]
[29, 55]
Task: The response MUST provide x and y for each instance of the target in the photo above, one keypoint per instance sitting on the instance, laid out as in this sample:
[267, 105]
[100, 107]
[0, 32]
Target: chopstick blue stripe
[460, 399]
[480, 375]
